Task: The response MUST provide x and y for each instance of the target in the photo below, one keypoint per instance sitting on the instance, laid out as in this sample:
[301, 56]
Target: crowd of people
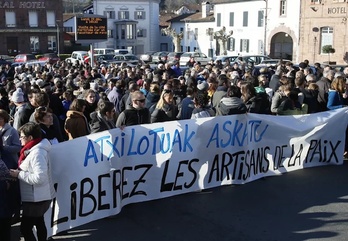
[44, 105]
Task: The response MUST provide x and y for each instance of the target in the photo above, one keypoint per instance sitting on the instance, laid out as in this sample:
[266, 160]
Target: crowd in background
[68, 101]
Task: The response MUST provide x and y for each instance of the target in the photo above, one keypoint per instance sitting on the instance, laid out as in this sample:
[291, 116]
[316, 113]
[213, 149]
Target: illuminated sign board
[91, 28]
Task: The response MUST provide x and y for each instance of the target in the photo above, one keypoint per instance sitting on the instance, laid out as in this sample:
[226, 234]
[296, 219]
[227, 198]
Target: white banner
[95, 176]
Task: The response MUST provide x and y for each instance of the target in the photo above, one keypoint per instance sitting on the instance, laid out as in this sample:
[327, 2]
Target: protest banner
[96, 175]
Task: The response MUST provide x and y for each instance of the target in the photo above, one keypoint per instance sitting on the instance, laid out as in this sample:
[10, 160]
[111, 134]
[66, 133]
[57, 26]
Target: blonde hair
[161, 102]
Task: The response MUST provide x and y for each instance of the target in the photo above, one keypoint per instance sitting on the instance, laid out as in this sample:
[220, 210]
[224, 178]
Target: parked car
[50, 58]
[147, 57]
[273, 62]
[159, 56]
[199, 57]
[101, 58]
[77, 56]
[104, 51]
[22, 58]
[129, 59]
[4, 62]
[174, 56]
[226, 58]
[254, 59]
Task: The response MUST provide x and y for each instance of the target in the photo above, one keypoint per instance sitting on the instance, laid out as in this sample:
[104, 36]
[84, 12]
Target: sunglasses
[167, 91]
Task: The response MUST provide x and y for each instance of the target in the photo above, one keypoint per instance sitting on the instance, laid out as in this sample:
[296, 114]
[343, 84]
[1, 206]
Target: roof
[197, 17]
[67, 16]
[180, 17]
[164, 17]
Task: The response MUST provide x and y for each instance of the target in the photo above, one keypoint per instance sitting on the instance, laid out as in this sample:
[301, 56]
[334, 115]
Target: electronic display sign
[91, 27]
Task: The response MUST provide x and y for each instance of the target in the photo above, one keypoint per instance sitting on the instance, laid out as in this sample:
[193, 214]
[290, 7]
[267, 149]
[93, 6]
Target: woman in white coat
[35, 181]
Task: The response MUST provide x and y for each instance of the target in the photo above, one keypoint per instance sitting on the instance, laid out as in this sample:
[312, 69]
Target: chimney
[205, 9]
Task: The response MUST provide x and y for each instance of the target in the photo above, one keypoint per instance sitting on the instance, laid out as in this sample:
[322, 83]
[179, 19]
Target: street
[309, 204]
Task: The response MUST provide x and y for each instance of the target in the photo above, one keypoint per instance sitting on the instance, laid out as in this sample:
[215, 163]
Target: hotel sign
[30, 5]
[337, 10]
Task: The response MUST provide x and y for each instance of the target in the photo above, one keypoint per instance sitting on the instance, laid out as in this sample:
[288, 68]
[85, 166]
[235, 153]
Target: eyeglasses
[41, 108]
[141, 100]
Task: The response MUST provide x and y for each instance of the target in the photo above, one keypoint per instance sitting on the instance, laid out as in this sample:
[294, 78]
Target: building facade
[324, 22]
[30, 27]
[274, 32]
[255, 31]
[132, 25]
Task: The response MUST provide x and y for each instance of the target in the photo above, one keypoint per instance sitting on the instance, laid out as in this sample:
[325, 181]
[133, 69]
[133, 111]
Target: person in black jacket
[104, 118]
[232, 103]
[137, 114]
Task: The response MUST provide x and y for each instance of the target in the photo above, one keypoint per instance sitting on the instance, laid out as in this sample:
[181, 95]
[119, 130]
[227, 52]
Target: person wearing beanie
[18, 96]
[18, 99]
[202, 85]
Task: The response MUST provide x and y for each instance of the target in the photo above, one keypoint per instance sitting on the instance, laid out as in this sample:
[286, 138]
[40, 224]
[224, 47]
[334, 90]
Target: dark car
[159, 56]
[174, 57]
[4, 62]
[51, 58]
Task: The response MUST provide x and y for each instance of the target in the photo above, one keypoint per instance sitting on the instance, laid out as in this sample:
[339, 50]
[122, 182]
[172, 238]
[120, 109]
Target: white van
[121, 51]
[104, 51]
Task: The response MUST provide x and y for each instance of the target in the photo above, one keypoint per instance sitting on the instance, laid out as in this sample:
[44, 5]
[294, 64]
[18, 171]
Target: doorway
[281, 46]
[12, 45]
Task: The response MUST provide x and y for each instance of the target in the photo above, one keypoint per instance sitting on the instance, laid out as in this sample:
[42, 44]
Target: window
[315, 1]
[10, 19]
[326, 37]
[282, 10]
[52, 43]
[141, 33]
[196, 34]
[51, 18]
[139, 15]
[68, 29]
[260, 18]
[218, 19]
[245, 19]
[231, 19]
[109, 14]
[33, 19]
[231, 46]
[34, 43]
[110, 33]
[123, 15]
[339, 1]
[130, 29]
[244, 45]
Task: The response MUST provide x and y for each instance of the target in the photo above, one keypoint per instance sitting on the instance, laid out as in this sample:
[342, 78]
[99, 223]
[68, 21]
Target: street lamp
[265, 33]
[58, 37]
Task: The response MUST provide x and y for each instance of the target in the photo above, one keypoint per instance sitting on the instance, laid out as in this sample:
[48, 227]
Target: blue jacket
[334, 100]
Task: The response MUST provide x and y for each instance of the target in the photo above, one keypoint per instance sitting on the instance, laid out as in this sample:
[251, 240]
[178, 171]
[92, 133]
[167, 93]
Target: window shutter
[231, 19]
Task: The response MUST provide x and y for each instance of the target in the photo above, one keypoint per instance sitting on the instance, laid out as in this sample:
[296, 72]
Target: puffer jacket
[231, 106]
[35, 176]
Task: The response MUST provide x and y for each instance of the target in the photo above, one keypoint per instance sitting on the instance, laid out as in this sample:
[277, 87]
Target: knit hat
[202, 85]
[18, 96]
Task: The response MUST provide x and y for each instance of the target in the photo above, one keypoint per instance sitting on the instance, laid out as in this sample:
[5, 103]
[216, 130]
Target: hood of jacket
[74, 114]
